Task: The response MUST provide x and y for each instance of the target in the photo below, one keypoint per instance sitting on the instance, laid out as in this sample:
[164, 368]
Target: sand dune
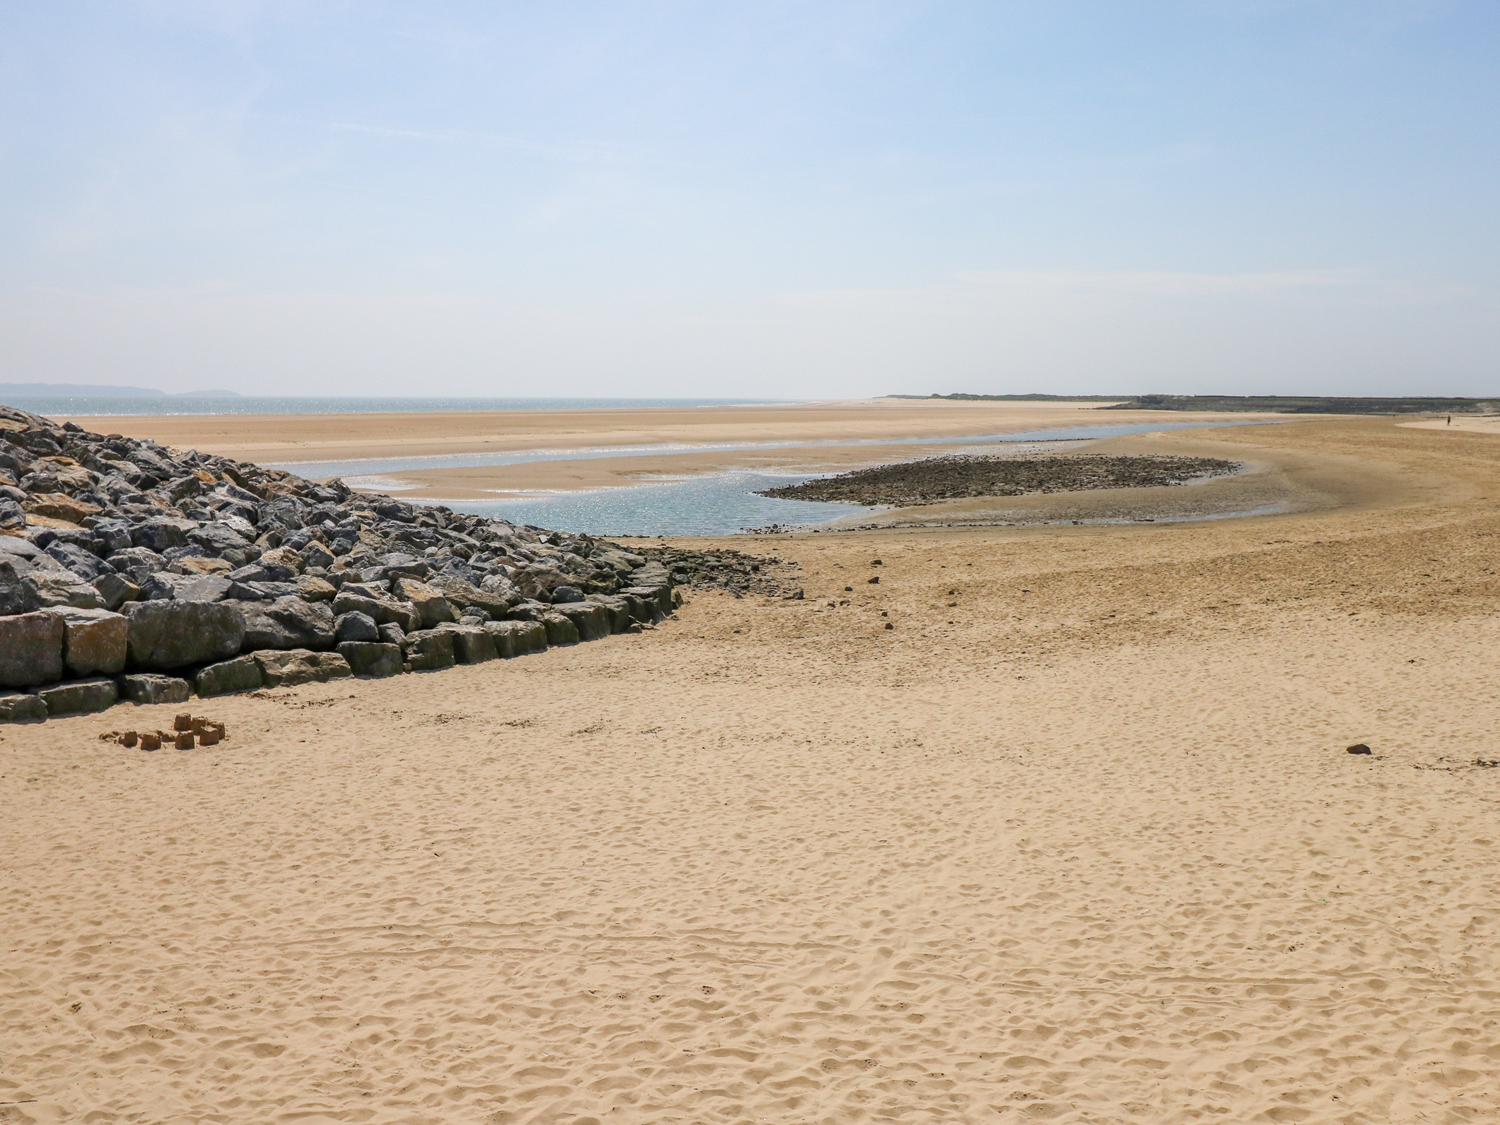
[1076, 841]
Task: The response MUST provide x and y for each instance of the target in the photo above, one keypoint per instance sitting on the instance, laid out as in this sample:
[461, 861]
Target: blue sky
[771, 198]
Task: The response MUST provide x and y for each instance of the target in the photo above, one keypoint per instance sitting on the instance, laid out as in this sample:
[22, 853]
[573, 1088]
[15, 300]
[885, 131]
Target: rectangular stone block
[31, 648]
[371, 658]
[591, 620]
[240, 674]
[19, 707]
[560, 630]
[429, 650]
[94, 641]
[287, 668]
[95, 694]
[472, 644]
[170, 634]
[150, 687]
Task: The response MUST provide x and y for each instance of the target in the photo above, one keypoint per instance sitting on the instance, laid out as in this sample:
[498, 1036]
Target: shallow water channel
[717, 504]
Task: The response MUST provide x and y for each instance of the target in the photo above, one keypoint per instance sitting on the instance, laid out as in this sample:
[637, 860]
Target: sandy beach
[1077, 840]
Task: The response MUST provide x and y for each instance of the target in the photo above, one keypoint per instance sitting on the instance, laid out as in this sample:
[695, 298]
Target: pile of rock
[132, 571]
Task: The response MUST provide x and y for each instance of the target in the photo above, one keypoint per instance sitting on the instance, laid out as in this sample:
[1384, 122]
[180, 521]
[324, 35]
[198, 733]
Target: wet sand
[1076, 841]
[292, 438]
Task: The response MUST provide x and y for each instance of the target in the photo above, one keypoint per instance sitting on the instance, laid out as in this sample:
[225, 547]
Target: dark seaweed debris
[734, 571]
[950, 478]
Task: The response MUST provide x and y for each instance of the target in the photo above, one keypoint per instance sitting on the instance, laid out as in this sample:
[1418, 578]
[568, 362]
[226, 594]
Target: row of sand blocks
[188, 730]
[69, 661]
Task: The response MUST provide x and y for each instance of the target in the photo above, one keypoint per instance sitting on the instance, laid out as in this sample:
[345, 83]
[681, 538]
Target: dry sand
[1077, 841]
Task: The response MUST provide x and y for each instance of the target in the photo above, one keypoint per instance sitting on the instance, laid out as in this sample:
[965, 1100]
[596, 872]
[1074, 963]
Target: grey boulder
[31, 648]
[287, 623]
[170, 634]
[97, 694]
[370, 658]
[94, 641]
[240, 674]
[355, 626]
[20, 706]
[429, 650]
[151, 687]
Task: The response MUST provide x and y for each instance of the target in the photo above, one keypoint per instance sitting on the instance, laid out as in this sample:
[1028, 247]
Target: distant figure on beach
[1450, 419]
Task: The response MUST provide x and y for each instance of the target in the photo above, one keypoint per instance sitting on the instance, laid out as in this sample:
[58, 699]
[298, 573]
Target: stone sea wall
[131, 571]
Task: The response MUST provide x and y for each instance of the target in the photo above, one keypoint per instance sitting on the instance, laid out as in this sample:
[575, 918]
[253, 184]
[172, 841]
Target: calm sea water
[719, 504]
[91, 406]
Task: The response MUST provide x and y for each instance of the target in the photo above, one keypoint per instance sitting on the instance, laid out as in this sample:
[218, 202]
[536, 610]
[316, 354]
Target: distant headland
[1277, 404]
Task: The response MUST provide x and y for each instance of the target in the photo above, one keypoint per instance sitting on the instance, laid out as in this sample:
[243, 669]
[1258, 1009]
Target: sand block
[31, 648]
[169, 634]
[80, 696]
[152, 687]
[371, 658]
[240, 674]
[184, 740]
[20, 706]
[150, 740]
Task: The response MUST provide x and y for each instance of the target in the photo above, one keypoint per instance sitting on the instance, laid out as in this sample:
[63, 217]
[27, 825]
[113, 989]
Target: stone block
[432, 608]
[355, 626]
[530, 636]
[472, 644]
[240, 674]
[661, 595]
[170, 634]
[152, 687]
[429, 650]
[591, 620]
[560, 630]
[330, 666]
[20, 706]
[286, 623]
[370, 658]
[503, 634]
[288, 668]
[31, 648]
[116, 590]
[619, 609]
[80, 696]
[94, 641]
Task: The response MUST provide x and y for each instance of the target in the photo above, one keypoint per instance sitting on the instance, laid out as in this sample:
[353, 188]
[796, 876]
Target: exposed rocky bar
[912, 483]
[131, 571]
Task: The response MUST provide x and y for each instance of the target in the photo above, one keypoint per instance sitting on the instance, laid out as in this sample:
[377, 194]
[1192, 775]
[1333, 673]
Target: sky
[776, 198]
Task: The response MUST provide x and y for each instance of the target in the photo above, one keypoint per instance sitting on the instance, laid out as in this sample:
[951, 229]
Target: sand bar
[1076, 841]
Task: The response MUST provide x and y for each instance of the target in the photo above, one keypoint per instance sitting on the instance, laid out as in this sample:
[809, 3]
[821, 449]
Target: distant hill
[1278, 404]
[93, 390]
